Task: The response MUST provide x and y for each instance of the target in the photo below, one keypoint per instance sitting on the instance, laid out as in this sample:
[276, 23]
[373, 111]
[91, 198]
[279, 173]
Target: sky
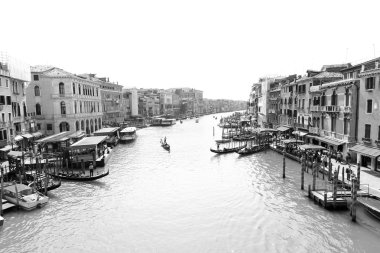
[221, 47]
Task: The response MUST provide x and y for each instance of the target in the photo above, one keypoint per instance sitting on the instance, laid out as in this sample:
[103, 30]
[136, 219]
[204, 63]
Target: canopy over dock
[106, 131]
[88, 142]
[311, 147]
[54, 138]
[288, 141]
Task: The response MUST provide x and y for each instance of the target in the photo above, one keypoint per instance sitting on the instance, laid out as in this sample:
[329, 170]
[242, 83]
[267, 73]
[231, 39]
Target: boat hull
[73, 177]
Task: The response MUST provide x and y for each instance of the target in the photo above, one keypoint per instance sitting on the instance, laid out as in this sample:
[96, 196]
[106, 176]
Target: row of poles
[308, 163]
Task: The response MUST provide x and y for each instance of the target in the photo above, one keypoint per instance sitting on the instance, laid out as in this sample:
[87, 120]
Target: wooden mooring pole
[335, 187]
[1, 189]
[330, 167]
[358, 176]
[302, 171]
[314, 168]
[46, 179]
[354, 198]
[283, 164]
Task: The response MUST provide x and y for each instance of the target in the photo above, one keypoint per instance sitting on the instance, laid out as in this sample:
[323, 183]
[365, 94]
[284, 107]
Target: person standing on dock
[91, 167]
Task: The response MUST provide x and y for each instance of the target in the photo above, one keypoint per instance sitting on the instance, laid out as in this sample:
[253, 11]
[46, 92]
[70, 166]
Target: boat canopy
[311, 147]
[106, 130]
[54, 138]
[20, 187]
[88, 142]
[288, 141]
[128, 130]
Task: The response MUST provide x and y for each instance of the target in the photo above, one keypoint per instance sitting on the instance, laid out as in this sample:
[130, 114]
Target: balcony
[315, 108]
[346, 109]
[314, 130]
[367, 141]
[55, 96]
[330, 108]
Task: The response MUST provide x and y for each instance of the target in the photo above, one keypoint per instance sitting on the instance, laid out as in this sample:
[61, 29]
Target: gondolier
[91, 167]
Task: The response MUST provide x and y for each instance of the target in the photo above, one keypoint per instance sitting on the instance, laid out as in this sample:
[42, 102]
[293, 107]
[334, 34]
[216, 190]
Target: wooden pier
[326, 199]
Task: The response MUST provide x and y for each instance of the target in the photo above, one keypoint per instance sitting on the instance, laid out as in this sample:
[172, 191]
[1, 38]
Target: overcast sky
[220, 47]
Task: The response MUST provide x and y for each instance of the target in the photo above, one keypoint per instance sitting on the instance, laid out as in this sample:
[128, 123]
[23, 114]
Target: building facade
[111, 95]
[367, 150]
[61, 101]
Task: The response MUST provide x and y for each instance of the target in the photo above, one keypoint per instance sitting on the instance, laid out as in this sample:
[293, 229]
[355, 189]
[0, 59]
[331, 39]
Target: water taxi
[112, 134]
[24, 196]
[90, 149]
[128, 134]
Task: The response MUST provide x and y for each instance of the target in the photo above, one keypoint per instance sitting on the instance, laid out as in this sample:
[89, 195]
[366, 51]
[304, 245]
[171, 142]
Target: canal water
[188, 200]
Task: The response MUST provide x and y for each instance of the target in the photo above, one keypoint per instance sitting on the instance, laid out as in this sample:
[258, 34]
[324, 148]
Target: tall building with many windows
[61, 101]
[14, 123]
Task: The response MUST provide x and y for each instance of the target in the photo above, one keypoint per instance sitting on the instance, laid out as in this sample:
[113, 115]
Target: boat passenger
[91, 170]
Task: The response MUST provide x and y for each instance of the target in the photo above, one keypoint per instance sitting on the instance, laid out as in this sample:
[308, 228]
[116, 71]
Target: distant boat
[196, 120]
[24, 196]
[165, 145]
[225, 150]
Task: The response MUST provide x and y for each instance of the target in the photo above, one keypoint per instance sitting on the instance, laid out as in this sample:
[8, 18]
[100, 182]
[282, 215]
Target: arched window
[64, 126]
[80, 107]
[38, 109]
[24, 106]
[37, 91]
[73, 88]
[82, 125]
[63, 108]
[100, 123]
[334, 98]
[347, 95]
[323, 99]
[77, 126]
[75, 107]
[303, 120]
[79, 90]
[61, 88]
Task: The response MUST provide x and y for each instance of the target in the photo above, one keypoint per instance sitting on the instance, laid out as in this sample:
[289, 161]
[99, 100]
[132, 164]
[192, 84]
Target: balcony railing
[346, 109]
[54, 96]
[314, 130]
[315, 108]
[330, 108]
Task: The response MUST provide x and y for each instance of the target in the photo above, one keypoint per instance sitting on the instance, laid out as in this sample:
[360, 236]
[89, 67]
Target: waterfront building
[129, 103]
[15, 125]
[111, 96]
[149, 102]
[61, 101]
[334, 112]
[191, 100]
[166, 103]
[367, 149]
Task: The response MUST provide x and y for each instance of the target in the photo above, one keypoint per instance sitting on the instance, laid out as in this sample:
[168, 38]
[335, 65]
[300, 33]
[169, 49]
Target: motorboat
[24, 196]
[128, 134]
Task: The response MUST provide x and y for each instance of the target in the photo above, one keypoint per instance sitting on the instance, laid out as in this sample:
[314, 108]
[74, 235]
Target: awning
[367, 151]
[311, 147]
[88, 142]
[283, 128]
[18, 138]
[15, 153]
[54, 138]
[8, 148]
[287, 141]
[330, 141]
[299, 133]
[78, 134]
[27, 136]
[37, 134]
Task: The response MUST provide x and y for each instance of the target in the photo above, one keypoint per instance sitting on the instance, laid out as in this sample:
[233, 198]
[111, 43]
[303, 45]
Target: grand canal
[188, 200]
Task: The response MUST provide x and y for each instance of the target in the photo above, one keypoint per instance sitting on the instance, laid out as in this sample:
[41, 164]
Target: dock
[6, 204]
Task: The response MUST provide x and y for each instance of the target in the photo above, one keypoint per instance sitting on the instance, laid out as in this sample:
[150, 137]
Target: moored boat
[250, 150]
[128, 134]
[225, 150]
[372, 206]
[112, 134]
[80, 176]
[24, 196]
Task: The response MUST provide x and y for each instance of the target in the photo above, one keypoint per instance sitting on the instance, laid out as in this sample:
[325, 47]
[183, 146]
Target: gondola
[226, 150]
[165, 146]
[79, 177]
[250, 150]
